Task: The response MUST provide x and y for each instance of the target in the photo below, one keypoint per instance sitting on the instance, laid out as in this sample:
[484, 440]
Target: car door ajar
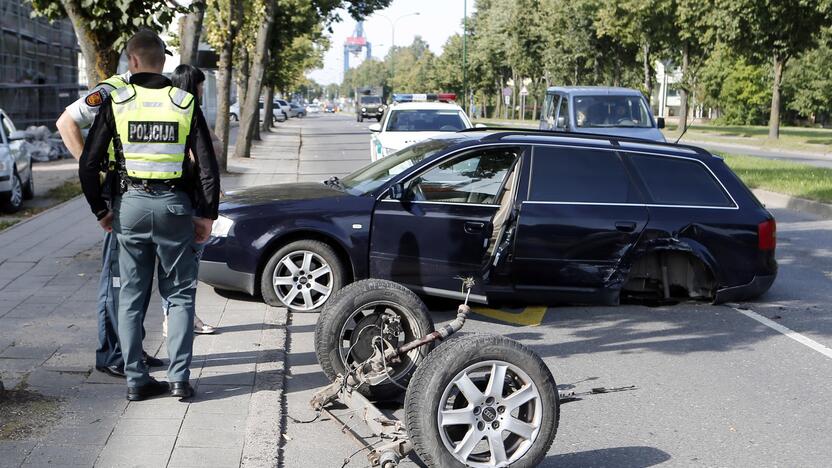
[582, 214]
[441, 227]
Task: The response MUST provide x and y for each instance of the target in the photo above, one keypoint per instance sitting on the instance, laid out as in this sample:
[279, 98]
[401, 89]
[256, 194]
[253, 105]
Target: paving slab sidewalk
[49, 269]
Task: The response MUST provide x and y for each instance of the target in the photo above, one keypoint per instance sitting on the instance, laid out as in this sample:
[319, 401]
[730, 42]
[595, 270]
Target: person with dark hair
[192, 80]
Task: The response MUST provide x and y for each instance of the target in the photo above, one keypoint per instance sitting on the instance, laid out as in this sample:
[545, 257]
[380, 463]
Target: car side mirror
[660, 122]
[396, 191]
[17, 135]
[480, 125]
[375, 127]
[561, 122]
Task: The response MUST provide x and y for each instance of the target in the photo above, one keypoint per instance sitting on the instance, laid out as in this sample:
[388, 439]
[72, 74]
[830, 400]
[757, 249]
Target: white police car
[413, 118]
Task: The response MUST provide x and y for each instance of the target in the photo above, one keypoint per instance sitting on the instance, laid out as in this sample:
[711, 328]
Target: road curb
[802, 205]
[264, 425]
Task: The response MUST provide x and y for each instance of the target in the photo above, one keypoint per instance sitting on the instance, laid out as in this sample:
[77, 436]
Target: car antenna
[686, 129]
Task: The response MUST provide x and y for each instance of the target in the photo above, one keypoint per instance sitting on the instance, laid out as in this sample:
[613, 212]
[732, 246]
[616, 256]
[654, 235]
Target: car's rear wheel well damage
[278, 243]
[669, 275]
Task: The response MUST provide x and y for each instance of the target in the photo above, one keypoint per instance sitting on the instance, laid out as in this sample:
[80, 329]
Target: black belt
[154, 185]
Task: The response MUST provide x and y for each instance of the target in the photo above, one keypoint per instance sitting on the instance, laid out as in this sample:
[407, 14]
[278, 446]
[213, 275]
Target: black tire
[342, 309]
[12, 202]
[323, 254]
[378, 119]
[360, 118]
[432, 381]
[29, 188]
[234, 118]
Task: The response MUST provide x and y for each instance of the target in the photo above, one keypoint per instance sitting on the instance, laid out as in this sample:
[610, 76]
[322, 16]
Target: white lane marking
[805, 341]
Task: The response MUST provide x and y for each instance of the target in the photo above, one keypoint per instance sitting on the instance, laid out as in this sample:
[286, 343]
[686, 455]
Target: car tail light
[767, 235]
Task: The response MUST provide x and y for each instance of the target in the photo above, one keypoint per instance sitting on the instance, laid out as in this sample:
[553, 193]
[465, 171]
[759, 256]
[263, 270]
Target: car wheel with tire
[234, 117]
[302, 276]
[482, 400]
[29, 188]
[349, 324]
[13, 200]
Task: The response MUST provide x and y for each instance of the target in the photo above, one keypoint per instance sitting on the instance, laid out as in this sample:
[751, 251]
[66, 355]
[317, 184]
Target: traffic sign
[524, 91]
[507, 91]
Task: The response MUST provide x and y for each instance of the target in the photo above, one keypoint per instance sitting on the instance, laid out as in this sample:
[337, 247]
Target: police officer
[80, 114]
[153, 126]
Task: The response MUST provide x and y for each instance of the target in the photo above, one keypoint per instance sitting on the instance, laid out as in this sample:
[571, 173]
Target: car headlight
[4, 165]
[221, 227]
[363, 109]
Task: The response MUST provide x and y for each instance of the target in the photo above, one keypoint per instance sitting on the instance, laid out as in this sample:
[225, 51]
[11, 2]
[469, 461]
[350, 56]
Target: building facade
[38, 65]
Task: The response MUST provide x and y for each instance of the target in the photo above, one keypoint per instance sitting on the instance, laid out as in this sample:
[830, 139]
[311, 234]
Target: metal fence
[38, 65]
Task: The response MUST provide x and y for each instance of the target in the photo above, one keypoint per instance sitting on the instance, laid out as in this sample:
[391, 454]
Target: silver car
[278, 115]
[601, 111]
[17, 183]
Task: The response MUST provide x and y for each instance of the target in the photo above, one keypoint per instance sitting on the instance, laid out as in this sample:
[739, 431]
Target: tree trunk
[268, 109]
[191, 27]
[648, 75]
[224, 84]
[774, 118]
[251, 113]
[242, 78]
[101, 62]
[683, 90]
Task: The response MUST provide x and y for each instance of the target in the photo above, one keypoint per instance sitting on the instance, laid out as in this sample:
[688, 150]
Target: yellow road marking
[530, 316]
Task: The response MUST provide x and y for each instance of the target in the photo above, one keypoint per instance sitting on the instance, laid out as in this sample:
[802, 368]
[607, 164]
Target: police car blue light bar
[441, 97]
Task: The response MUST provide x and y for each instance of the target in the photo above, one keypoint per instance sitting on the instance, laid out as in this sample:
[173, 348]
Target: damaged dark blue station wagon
[535, 217]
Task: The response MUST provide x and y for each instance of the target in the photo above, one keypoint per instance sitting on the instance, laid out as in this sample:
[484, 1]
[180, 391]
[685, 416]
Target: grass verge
[8, 223]
[791, 138]
[795, 179]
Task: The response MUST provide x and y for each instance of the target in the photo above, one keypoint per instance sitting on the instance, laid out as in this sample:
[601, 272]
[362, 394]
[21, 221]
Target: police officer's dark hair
[148, 46]
[187, 77]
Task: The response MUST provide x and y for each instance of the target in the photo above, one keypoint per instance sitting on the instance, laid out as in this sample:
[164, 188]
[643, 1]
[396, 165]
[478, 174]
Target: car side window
[580, 176]
[676, 181]
[472, 178]
[563, 114]
[549, 110]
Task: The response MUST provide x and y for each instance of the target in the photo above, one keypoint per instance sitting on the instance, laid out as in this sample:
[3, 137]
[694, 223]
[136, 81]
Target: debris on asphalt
[567, 396]
[24, 413]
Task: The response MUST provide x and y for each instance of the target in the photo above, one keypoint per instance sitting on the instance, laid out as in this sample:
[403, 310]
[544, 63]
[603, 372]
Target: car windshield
[611, 111]
[373, 176]
[425, 120]
[370, 100]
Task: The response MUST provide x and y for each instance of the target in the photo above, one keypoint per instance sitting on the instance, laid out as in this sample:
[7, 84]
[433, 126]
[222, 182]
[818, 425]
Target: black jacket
[203, 183]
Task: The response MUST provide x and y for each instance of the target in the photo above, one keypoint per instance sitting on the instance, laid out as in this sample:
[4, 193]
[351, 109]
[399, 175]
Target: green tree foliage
[775, 31]
[745, 94]
[103, 26]
[808, 83]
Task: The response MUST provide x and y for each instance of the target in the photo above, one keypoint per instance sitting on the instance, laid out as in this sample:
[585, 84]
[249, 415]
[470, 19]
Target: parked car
[285, 109]
[329, 108]
[600, 110]
[415, 117]
[534, 217]
[296, 110]
[313, 108]
[278, 115]
[17, 181]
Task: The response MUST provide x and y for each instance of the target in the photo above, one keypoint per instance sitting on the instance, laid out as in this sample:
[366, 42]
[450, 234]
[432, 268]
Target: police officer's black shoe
[113, 371]
[151, 389]
[181, 390]
[151, 361]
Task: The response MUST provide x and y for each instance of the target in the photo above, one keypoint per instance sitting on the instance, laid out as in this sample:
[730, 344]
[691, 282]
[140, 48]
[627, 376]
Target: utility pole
[465, 55]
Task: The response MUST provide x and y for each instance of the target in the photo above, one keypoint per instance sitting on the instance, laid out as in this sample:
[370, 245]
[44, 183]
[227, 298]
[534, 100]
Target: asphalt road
[716, 385]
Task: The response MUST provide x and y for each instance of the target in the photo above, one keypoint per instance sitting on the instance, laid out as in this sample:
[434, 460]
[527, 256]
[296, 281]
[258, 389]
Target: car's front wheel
[29, 188]
[233, 117]
[302, 276]
[13, 200]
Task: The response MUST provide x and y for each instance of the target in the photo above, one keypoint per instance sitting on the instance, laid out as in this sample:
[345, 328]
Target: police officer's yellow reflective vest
[152, 126]
[116, 81]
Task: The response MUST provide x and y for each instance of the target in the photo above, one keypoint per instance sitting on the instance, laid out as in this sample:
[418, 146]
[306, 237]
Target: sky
[437, 20]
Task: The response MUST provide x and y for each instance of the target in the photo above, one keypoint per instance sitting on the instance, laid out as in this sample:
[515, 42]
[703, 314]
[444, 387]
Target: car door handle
[625, 226]
[474, 227]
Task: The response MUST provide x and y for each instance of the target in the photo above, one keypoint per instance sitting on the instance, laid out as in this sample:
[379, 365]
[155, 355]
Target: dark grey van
[600, 110]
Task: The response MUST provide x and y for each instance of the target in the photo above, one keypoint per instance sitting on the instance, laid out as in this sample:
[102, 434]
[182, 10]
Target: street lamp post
[393, 43]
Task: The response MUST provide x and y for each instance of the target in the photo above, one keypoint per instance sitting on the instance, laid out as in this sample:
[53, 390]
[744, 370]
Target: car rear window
[675, 181]
[580, 175]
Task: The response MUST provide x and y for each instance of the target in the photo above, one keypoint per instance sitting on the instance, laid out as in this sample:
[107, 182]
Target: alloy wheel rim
[302, 280]
[355, 327]
[17, 191]
[490, 414]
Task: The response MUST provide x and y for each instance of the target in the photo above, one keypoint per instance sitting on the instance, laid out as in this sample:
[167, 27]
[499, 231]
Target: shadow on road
[620, 457]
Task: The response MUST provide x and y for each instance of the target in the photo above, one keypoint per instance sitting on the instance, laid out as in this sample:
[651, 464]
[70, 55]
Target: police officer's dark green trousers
[156, 224]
